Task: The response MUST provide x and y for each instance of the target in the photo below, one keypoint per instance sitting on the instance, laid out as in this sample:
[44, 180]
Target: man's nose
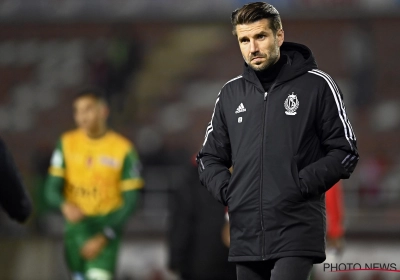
[253, 46]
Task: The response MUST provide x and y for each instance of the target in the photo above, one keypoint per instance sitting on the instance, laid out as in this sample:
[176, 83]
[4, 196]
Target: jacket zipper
[262, 167]
[261, 181]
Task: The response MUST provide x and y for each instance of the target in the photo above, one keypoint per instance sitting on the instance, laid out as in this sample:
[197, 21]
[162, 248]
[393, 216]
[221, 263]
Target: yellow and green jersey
[96, 171]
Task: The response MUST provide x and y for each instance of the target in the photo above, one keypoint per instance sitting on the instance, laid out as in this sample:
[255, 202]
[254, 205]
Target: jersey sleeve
[57, 163]
[130, 176]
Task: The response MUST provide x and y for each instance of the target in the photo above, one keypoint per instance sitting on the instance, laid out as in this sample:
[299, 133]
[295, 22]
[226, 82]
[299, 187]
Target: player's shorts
[76, 234]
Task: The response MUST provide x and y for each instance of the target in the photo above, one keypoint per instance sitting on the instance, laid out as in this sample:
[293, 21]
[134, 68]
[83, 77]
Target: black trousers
[289, 268]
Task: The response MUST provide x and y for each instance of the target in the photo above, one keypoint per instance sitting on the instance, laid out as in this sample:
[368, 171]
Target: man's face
[258, 43]
[90, 114]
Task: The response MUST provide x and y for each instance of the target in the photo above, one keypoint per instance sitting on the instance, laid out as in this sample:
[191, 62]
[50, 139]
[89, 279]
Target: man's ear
[280, 37]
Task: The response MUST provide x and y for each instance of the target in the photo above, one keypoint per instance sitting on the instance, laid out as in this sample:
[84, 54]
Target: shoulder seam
[123, 139]
[231, 80]
[316, 71]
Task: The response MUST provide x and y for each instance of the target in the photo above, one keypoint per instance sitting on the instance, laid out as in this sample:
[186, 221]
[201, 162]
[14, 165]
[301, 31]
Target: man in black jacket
[13, 197]
[283, 127]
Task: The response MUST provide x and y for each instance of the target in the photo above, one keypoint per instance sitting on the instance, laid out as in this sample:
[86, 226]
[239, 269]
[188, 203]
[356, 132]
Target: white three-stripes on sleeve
[210, 127]
[348, 130]
[340, 105]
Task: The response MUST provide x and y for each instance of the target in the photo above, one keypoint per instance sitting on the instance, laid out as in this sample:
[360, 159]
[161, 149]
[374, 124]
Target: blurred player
[94, 179]
[13, 197]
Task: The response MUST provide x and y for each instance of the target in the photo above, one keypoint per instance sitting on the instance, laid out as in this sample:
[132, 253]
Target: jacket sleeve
[13, 196]
[337, 141]
[214, 159]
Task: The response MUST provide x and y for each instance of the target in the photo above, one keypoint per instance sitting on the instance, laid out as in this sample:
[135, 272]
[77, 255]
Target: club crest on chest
[291, 104]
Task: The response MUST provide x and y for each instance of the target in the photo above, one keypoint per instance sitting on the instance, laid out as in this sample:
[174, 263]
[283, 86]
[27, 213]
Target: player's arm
[338, 141]
[13, 197]
[113, 226]
[214, 159]
[54, 187]
[55, 180]
[131, 183]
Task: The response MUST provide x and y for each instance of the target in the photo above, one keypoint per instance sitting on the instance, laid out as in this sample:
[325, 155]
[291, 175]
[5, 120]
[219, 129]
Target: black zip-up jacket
[287, 147]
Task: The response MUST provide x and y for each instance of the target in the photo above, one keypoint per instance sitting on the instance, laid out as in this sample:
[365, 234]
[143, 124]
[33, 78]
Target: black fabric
[287, 148]
[195, 235]
[13, 197]
[268, 76]
[290, 268]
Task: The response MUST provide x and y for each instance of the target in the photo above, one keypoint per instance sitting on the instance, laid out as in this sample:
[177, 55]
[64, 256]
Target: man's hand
[72, 212]
[226, 238]
[93, 247]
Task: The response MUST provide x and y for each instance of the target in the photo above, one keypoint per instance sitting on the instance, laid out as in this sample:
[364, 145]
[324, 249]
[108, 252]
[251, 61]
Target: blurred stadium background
[162, 63]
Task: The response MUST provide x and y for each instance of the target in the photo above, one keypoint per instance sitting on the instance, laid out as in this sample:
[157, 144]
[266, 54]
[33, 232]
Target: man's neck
[97, 133]
[269, 75]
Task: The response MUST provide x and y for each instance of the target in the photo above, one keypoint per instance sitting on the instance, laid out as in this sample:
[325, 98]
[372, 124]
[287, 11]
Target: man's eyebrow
[263, 32]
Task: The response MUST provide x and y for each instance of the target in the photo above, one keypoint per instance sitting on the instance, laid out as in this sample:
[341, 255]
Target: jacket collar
[299, 60]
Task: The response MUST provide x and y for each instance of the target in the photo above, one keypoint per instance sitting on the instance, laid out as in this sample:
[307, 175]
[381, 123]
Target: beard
[271, 59]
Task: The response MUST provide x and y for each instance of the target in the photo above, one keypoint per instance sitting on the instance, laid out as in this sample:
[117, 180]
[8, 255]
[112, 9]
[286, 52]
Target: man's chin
[259, 67]
[262, 66]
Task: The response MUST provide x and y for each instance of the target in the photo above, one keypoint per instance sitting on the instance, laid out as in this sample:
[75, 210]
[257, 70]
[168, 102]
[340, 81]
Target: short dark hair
[256, 11]
[94, 92]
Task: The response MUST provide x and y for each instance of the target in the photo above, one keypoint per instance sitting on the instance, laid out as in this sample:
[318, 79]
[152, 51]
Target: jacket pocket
[301, 188]
[223, 193]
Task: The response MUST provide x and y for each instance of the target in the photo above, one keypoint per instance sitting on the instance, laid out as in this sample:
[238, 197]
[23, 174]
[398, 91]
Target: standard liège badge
[291, 104]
